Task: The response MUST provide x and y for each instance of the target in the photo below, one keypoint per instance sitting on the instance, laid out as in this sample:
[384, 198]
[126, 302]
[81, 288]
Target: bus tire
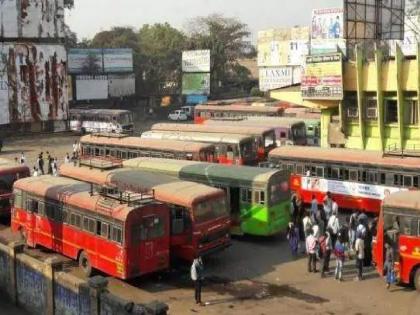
[416, 279]
[84, 264]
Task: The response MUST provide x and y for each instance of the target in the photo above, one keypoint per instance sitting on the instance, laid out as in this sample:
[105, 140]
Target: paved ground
[7, 309]
[254, 276]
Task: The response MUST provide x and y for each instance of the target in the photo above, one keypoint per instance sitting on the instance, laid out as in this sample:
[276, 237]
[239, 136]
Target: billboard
[282, 47]
[196, 61]
[366, 19]
[323, 77]
[118, 60]
[411, 38]
[32, 19]
[91, 87]
[33, 83]
[121, 85]
[278, 77]
[196, 99]
[196, 83]
[327, 30]
[89, 61]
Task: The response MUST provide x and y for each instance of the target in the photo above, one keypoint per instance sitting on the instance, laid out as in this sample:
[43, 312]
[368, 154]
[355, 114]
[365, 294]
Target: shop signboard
[196, 61]
[323, 77]
[277, 77]
[196, 83]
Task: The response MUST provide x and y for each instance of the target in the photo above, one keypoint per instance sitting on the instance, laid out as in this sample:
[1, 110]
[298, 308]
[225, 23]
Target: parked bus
[357, 179]
[9, 173]
[101, 120]
[258, 198]
[199, 219]
[265, 137]
[205, 112]
[229, 148]
[131, 147]
[123, 236]
[399, 227]
[288, 131]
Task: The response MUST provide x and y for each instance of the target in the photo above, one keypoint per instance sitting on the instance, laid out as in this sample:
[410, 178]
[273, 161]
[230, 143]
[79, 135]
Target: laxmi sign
[278, 77]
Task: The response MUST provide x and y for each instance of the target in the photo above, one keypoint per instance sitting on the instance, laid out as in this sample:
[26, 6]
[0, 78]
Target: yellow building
[380, 109]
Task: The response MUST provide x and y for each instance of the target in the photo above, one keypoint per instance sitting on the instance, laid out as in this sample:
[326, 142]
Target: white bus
[101, 120]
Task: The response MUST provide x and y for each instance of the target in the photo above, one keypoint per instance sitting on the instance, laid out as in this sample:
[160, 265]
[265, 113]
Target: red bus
[205, 112]
[9, 173]
[123, 147]
[123, 236]
[265, 137]
[399, 226]
[357, 179]
[199, 219]
[231, 149]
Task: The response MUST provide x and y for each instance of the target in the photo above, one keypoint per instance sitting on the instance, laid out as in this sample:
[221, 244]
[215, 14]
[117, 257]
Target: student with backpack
[340, 255]
[333, 227]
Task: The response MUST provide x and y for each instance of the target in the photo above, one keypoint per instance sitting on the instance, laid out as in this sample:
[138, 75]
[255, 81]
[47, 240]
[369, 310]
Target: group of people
[324, 235]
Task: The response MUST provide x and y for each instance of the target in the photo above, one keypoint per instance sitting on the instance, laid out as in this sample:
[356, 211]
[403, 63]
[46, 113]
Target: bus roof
[11, 166]
[207, 172]
[196, 136]
[403, 200]
[166, 189]
[99, 111]
[74, 193]
[281, 123]
[338, 155]
[137, 142]
[240, 108]
[227, 128]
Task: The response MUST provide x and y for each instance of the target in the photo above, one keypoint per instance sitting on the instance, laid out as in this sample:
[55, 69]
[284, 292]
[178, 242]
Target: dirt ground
[254, 276]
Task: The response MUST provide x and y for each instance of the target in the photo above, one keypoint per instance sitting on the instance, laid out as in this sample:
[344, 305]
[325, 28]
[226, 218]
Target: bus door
[154, 246]
[180, 225]
[32, 206]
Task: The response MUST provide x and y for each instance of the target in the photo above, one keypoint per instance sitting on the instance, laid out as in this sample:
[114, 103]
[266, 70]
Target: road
[7, 309]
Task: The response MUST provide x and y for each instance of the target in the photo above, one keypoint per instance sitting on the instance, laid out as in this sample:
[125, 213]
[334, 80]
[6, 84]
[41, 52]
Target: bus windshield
[210, 209]
[248, 150]
[125, 119]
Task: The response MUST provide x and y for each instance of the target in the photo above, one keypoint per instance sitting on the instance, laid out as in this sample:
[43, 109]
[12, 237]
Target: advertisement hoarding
[196, 99]
[278, 77]
[89, 87]
[32, 19]
[121, 85]
[327, 31]
[196, 61]
[282, 47]
[196, 83]
[118, 60]
[89, 61]
[323, 77]
[33, 83]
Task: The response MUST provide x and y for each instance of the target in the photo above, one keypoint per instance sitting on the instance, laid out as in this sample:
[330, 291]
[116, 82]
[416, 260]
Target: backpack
[323, 244]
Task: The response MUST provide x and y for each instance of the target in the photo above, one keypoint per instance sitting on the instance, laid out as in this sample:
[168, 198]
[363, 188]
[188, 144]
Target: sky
[91, 16]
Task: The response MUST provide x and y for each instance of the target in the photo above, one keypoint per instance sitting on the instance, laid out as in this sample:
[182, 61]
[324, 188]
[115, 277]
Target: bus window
[32, 205]
[89, 225]
[353, 175]
[299, 169]
[408, 226]
[283, 135]
[408, 181]
[75, 220]
[152, 227]
[335, 173]
[97, 152]
[416, 181]
[116, 234]
[319, 171]
[382, 178]
[18, 198]
[246, 195]
[372, 177]
[397, 180]
[103, 229]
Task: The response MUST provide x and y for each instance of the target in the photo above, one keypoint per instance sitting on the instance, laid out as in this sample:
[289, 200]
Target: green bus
[259, 198]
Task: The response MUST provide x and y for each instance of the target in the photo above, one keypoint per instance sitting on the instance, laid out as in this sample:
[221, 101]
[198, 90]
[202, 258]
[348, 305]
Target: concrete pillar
[51, 265]
[360, 95]
[14, 249]
[97, 285]
[418, 82]
[380, 96]
[399, 59]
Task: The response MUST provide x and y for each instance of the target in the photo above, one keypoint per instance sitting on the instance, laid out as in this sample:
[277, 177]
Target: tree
[159, 64]
[227, 40]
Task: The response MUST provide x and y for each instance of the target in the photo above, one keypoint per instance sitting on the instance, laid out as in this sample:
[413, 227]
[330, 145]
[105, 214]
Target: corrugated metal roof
[142, 143]
[348, 156]
[240, 108]
[282, 123]
[403, 200]
[72, 192]
[99, 111]
[196, 136]
[208, 171]
[226, 128]
[12, 166]
[166, 188]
